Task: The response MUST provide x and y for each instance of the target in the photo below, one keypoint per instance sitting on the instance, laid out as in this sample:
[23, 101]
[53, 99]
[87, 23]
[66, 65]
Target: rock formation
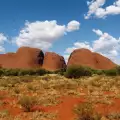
[87, 58]
[25, 57]
[53, 61]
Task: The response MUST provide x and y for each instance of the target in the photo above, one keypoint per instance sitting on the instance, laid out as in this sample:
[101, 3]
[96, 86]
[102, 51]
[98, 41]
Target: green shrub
[27, 72]
[41, 72]
[23, 72]
[61, 71]
[27, 103]
[1, 72]
[97, 72]
[111, 72]
[10, 72]
[77, 72]
[118, 70]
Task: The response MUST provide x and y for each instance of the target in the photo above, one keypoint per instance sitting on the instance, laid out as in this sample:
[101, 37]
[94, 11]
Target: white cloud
[41, 34]
[73, 25]
[2, 49]
[96, 10]
[98, 32]
[3, 38]
[106, 45]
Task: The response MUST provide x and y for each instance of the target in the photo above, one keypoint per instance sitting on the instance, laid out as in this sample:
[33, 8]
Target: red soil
[14, 111]
[64, 109]
[105, 109]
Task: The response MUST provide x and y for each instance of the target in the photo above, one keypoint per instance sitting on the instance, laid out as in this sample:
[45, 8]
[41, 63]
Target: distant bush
[118, 70]
[61, 71]
[41, 72]
[22, 72]
[10, 72]
[1, 71]
[77, 72]
[111, 72]
[98, 72]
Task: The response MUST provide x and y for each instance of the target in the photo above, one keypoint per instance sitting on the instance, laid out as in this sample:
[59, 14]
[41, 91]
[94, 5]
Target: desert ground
[54, 97]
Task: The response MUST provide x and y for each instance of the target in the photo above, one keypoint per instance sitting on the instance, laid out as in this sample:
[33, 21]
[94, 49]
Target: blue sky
[101, 15]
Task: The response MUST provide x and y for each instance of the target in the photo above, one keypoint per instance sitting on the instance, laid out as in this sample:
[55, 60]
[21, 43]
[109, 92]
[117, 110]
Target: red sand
[64, 109]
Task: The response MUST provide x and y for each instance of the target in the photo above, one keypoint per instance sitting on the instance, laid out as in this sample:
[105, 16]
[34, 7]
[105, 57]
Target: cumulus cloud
[96, 9]
[98, 32]
[106, 45]
[73, 25]
[3, 38]
[41, 34]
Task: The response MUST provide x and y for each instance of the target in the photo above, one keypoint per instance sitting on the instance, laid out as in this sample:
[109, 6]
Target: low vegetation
[95, 89]
[85, 111]
[23, 72]
[27, 102]
[70, 72]
[77, 72]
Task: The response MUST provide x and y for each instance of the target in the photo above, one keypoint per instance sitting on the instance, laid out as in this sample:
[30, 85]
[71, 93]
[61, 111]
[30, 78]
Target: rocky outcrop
[53, 61]
[25, 57]
[85, 57]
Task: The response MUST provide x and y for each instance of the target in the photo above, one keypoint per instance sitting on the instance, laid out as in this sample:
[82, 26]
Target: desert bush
[10, 72]
[42, 72]
[22, 72]
[30, 87]
[111, 72]
[97, 72]
[113, 116]
[61, 71]
[118, 70]
[85, 111]
[4, 83]
[77, 72]
[27, 103]
[4, 113]
[1, 72]
[16, 90]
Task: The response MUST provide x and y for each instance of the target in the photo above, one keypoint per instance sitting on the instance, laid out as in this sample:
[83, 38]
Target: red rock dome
[85, 57]
[25, 57]
[53, 61]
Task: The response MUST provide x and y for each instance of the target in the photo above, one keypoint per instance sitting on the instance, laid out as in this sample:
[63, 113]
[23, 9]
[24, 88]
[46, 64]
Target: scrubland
[54, 97]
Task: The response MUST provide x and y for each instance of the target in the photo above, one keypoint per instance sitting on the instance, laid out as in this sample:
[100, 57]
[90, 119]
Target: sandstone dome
[53, 61]
[85, 57]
